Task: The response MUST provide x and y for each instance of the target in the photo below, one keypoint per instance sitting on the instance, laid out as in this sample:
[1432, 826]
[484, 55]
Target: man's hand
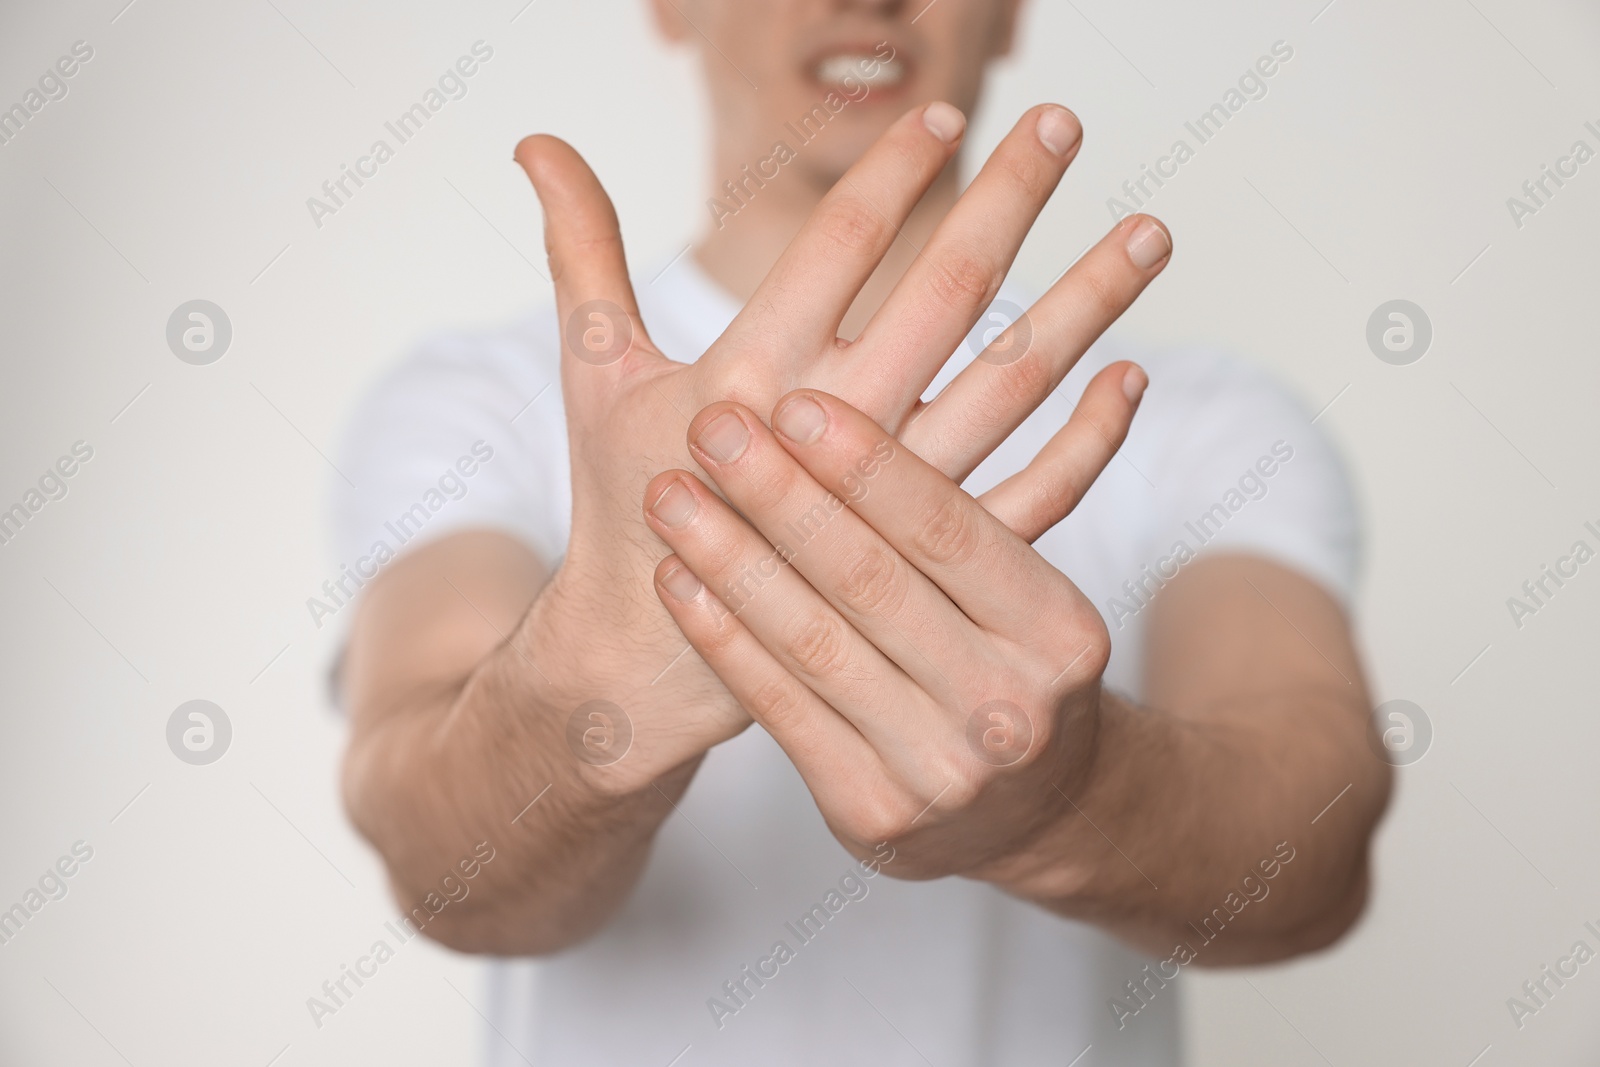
[937, 682]
[599, 631]
[933, 678]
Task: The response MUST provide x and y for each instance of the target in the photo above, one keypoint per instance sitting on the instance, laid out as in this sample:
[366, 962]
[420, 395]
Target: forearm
[1235, 809]
[486, 760]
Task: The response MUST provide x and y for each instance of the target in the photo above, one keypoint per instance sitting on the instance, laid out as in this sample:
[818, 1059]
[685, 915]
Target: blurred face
[862, 62]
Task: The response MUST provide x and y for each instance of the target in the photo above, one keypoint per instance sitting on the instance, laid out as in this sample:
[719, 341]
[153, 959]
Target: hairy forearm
[486, 760]
[1188, 825]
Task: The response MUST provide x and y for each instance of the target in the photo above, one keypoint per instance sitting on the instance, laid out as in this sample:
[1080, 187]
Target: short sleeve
[1241, 468]
[466, 432]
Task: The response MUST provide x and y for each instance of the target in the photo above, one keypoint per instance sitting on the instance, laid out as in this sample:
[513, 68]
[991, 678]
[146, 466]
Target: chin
[846, 144]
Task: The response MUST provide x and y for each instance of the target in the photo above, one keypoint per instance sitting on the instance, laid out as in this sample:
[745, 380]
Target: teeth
[835, 70]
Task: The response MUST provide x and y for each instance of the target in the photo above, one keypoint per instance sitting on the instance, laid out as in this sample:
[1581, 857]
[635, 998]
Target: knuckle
[1023, 383]
[604, 244]
[1011, 733]
[1052, 499]
[735, 382]
[874, 583]
[957, 782]
[881, 816]
[1041, 724]
[968, 784]
[767, 488]
[615, 781]
[986, 409]
[1085, 648]
[850, 228]
[1098, 658]
[718, 637]
[603, 247]
[777, 702]
[946, 535]
[818, 645]
[964, 279]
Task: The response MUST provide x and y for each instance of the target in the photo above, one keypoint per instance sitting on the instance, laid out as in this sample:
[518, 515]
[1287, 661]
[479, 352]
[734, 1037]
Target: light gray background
[177, 567]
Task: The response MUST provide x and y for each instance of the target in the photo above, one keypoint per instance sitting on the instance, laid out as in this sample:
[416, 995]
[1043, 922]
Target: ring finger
[994, 393]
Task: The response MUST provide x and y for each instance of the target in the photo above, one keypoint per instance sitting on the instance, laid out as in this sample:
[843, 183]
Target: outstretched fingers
[956, 275]
[1012, 376]
[797, 309]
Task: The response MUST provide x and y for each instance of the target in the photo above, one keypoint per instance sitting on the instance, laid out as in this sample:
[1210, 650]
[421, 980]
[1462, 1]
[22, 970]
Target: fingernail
[1148, 244]
[681, 583]
[1133, 383]
[801, 420]
[724, 438]
[1059, 129]
[675, 506]
[944, 120]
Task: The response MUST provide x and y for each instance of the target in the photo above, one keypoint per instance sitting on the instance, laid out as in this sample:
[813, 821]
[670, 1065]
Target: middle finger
[955, 277]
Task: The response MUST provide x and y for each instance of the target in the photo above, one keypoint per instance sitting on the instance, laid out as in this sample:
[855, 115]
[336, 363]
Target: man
[785, 748]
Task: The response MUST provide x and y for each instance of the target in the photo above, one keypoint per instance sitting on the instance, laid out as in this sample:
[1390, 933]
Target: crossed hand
[934, 679]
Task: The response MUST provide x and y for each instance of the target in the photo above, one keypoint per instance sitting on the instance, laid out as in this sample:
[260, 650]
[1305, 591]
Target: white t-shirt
[952, 971]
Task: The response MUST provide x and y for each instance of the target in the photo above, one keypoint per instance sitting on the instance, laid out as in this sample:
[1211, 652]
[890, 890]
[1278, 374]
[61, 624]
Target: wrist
[625, 704]
[1064, 860]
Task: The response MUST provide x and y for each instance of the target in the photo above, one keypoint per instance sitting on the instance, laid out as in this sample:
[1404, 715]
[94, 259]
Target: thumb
[602, 335]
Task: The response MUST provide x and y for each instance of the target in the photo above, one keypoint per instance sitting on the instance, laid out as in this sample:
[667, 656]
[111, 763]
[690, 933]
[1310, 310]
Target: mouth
[835, 71]
[879, 66]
